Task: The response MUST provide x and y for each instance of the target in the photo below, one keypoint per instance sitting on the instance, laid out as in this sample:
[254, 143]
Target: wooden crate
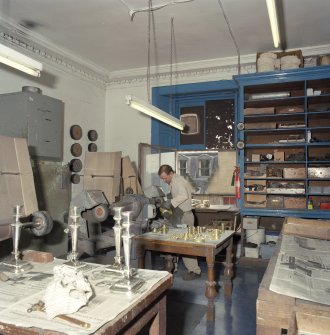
[278, 312]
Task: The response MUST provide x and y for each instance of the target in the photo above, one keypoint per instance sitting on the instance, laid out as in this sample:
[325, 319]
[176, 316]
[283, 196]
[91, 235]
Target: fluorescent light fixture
[272, 12]
[154, 112]
[19, 61]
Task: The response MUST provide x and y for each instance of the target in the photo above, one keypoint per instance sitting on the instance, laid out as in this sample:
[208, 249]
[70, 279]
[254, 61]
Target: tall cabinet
[284, 139]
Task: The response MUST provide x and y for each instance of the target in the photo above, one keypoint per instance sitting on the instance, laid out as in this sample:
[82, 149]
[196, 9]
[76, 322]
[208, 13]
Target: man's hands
[167, 204]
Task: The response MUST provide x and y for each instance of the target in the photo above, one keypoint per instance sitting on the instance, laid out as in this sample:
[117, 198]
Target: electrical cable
[132, 12]
[171, 62]
[149, 41]
[232, 36]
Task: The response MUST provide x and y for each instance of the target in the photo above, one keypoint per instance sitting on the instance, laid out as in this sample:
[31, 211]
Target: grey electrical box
[36, 117]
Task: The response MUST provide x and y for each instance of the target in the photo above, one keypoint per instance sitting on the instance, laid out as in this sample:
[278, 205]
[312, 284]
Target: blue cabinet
[284, 124]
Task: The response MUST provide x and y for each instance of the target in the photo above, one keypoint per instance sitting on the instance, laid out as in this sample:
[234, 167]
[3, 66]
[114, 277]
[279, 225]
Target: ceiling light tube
[19, 61]
[272, 12]
[154, 112]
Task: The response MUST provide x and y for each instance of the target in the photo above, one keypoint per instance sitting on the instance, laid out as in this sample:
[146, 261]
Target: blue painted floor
[187, 304]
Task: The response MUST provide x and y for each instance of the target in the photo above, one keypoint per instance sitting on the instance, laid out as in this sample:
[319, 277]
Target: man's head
[166, 173]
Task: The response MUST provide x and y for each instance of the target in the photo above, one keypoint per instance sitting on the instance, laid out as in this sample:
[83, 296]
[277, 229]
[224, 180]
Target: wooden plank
[307, 227]
[268, 330]
[273, 315]
[313, 317]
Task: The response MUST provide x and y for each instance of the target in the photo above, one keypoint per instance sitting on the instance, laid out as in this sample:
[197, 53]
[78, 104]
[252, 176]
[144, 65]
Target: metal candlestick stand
[74, 228]
[118, 265]
[130, 282]
[16, 266]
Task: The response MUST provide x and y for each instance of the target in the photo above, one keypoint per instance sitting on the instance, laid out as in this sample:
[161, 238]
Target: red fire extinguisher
[237, 182]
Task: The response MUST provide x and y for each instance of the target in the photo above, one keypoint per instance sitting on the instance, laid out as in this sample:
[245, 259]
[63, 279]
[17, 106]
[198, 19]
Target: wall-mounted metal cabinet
[36, 117]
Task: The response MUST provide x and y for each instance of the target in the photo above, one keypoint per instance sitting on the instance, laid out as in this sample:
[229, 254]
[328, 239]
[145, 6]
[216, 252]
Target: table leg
[140, 251]
[228, 285]
[169, 266]
[210, 290]
[158, 325]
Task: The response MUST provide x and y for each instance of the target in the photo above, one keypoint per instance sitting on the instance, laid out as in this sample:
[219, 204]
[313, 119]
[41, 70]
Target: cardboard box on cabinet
[294, 173]
[278, 155]
[251, 222]
[255, 200]
[319, 172]
[289, 109]
[295, 202]
[260, 125]
[263, 110]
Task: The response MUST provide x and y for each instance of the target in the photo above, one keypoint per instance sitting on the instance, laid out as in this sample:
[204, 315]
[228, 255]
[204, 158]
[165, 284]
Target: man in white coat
[180, 201]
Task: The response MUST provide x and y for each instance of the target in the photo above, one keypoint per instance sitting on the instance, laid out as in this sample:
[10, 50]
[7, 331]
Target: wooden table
[161, 243]
[210, 216]
[279, 312]
[149, 309]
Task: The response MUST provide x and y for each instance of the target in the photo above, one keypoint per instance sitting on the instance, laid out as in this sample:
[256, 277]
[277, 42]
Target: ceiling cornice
[221, 68]
[36, 46]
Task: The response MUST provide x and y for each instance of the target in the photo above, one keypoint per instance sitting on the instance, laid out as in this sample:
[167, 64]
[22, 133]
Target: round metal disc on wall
[92, 135]
[75, 165]
[76, 132]
[240, 126]
[76, 149]
[240, 145]
[75, 178]
[92, 147]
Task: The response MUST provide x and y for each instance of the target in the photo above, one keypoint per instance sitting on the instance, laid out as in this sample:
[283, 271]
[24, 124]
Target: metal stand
[16, 266]
[74, 227]
[118, 265]
[130, 282]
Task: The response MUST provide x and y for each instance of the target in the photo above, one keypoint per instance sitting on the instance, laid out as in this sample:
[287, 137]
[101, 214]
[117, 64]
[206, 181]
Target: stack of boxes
[103, 172]
[262, 234]
[254, 236]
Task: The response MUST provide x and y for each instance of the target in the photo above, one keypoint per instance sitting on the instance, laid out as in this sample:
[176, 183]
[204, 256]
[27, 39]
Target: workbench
[163, 243]
[123, 313]
[215, 215]
[283, 314]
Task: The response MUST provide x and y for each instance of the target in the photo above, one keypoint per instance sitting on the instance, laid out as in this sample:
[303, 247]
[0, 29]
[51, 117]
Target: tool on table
[40, 306]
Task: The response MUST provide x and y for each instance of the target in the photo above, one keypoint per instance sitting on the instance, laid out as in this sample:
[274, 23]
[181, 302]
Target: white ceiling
[101, 32]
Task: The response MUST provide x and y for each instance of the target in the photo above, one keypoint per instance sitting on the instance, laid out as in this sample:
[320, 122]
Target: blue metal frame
[304, 75]
[185, 95]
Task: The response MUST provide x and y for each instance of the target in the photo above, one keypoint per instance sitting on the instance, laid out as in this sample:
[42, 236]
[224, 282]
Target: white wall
[126, 127]
[84, 102]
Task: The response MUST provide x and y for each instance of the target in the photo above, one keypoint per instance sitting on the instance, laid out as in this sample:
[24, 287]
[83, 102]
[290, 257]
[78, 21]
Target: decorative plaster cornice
[213, 69]
[163, 76]
[17, 38]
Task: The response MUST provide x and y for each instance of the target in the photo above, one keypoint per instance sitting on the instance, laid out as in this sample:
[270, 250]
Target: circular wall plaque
[76, 132]
[240, 126]
[240, 145]
[75, 178]
[75, 165]
[92, 147]
[76, 149]
[92, 135]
